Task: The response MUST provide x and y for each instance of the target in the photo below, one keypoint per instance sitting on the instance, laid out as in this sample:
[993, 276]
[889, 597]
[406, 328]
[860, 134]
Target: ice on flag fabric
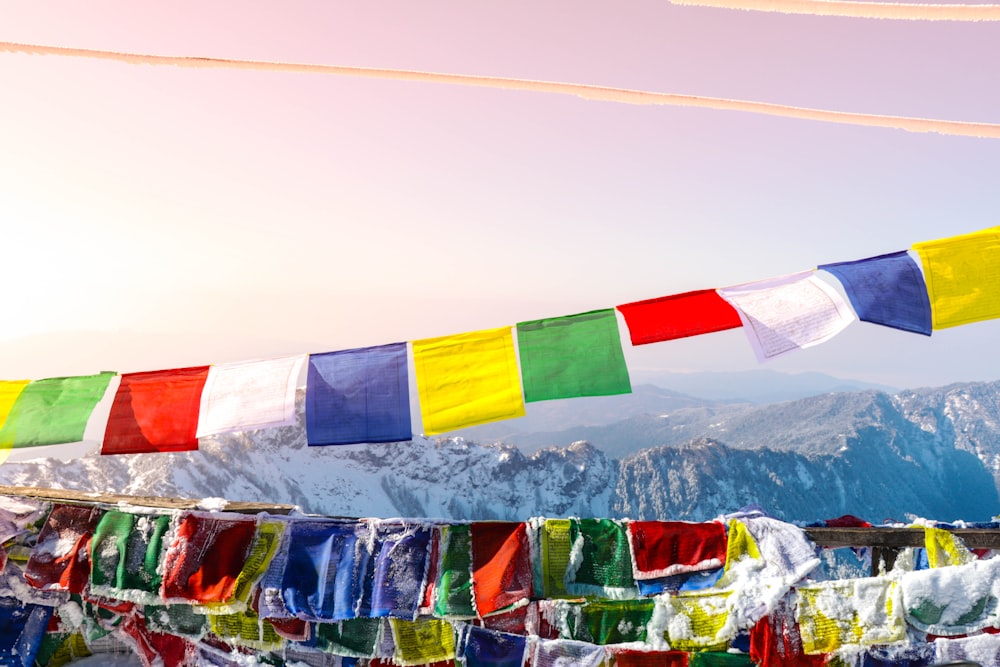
[696, 621]
[981, 649]
[639, 658]
[353, 638]
[963, 277]
[400, 569]
[944, 548]
[266, 542]
[775, 640]
[155, 411]
[785, 550]
[740, 544]
[678, 316]
[610, 621]
[206, 556]
[783, 314]
[576, 355]
[246, 629]
[17, 514]
[555, 545]
[600, 560]
[52, 411]
[454, 578]
[249, 395]
[501, 565]
[887, 290]
[422, 642]
[22, 627]
[849, 613]
[480, 647]
[360, 395]
[270, 601]
[60, 559]
[951, 601]
[125, 554]
[666, 548]
[467, 379]
[566, 653]
[323, 577]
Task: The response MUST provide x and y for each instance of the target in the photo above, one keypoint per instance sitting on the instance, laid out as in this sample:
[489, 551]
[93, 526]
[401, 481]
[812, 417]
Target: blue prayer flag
[481, 647]
[887, 290]
[360, 395]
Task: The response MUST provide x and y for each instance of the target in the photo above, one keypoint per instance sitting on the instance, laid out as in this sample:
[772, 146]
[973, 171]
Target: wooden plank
[882, 536]
[84, 498]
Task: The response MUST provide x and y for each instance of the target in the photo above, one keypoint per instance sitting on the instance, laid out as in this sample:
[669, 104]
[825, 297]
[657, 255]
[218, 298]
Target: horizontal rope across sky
[867, 10]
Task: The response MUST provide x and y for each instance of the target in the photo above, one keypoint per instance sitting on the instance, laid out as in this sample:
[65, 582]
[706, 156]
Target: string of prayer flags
[678, 316]
[52, 411]
[156, 411]
[501, 565]
[787, 313]
[963, 277]
[206, 557]
[571, 356]
[249, 395]
[360, 395]
[887, 290]
[467, 379]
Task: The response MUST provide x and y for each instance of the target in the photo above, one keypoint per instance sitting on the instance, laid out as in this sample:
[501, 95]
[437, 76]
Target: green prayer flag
[353, 638]
[601, 560]
[575, 355]
[454, 583]
[125, 551]
[610, 621]
[53, 411]
[719, 659]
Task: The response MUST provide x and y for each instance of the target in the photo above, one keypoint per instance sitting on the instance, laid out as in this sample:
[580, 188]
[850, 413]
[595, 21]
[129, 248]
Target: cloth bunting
[266, 541]
[944, 548]
[609, 621]
[697, 621]
[887, 290]
[637, 658]
[155, 411]
[678, 316]
[355, 396]
[324, 577]
[981, 649]
[555, 545]
[566, 653]
[576, 355]
[51, 411]
[963, 277]
[467, 379]
[600, 560]
[400, 569]
[783, 314]
[61, 557]
[775, 640]
[501, 565]
[454, 578]
[479, 647]
[951, 601]
[22, 627]
[125, 555]
[849, 613]
[249, 395]
[246, 629]
[10, 390]
[353, 638]
[422, 642]
[665, 548]
[206, 556]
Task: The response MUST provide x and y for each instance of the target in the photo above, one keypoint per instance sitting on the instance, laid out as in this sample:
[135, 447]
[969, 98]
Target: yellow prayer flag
[467, 379]
[9, 391]
[423, 641]
[963, 277]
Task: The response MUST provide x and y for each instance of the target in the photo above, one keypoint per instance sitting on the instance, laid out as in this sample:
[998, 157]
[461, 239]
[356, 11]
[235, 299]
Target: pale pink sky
[158, 216]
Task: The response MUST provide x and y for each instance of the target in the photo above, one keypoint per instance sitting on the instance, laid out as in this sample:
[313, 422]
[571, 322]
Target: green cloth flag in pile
[575, 355]
[125, 554]
[454, 583]
[610, 621]
[353, 638]
[53, 411]
[600, 560]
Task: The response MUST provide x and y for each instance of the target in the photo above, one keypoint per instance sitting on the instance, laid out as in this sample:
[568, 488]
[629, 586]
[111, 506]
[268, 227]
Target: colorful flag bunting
[249, 395]
[887, 290]
[156, 411]
[678, 316]
[52, 411]
[963, 277]
[361, 395]
[501, 565]
[576, 355]
[787, 313]
[206, 556]
[467, 379]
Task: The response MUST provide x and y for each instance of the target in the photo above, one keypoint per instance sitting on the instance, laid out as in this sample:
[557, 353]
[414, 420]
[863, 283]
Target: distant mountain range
[929, 452]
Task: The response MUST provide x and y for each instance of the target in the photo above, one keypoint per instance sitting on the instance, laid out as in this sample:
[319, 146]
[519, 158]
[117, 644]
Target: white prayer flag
[249, 395]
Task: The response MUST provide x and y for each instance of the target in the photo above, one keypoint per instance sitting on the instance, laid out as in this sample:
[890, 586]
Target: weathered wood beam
[84, 498]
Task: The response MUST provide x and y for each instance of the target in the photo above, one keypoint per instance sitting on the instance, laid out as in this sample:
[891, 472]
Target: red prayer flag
[61, 557]
[637, 658]
[678, 316]
[501, 565]
[155, 411]
[665, 548]
[206, 557]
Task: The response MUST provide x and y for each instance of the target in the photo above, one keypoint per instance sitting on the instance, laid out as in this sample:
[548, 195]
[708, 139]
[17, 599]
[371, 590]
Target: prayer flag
[125, 555]
[775, 639]
[480, 647]
[576, 355]
[954, 600]
[501, 565]
[206, 557]
[361, 395]
[678, 316]
[52, 411]
[61, 558]
[467, 379]
[454, 579]
[963, 277]
[249, 395]
[355, 638]
[666, 548]
[639, 658]
[400, 570]
[611, 621]
[555, 546]
[325, 571]
[422, 642]
[787, 313]
[849, 613]
[566, 653]
[887, 290]
[156, 411]
[22, 627]
[600, 561]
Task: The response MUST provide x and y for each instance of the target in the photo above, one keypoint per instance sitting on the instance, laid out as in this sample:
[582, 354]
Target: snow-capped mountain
[932, 453]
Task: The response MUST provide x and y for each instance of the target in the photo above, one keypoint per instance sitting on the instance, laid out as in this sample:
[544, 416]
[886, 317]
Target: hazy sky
[158, 216]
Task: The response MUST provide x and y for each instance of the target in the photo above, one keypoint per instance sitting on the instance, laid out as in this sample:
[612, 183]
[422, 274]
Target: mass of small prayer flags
[363, 396]
[196, 587]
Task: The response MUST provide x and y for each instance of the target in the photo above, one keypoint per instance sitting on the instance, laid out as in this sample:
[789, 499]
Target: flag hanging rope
[584, 91]
[867, 10]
